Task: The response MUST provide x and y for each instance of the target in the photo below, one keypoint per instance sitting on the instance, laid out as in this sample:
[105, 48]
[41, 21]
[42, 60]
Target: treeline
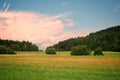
[19, 46]
[108, 40]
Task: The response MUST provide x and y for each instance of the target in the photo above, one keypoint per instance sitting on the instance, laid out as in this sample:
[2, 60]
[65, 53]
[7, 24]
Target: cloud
[41, 29]
[68, 22]
[5, 7]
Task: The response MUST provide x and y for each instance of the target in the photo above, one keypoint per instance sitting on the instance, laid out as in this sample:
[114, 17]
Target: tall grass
[62, 66]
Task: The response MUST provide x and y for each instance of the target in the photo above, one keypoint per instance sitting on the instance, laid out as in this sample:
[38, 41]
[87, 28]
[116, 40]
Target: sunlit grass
[38, 65]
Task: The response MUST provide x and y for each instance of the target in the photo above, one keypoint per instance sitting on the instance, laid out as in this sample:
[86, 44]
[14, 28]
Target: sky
[46, 22]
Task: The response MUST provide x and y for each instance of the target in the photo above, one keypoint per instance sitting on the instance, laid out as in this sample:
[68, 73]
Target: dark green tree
[108, 39]
[98, 52]
[80, 50]
[50, 51]
[4, 50]
[116, 46]
[19, 46]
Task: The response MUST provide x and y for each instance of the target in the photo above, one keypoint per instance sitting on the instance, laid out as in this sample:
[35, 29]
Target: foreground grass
[28, 73]
[63, 66]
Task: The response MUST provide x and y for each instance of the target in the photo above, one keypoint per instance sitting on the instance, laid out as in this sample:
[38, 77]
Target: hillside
[108, 40]
[19, 46]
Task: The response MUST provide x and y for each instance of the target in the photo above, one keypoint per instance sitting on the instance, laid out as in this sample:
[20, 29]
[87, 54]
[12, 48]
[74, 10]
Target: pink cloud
[41, 29]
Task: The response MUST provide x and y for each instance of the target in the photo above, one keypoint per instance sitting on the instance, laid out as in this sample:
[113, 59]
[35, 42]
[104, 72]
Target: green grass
[63, 66]
[28, 73]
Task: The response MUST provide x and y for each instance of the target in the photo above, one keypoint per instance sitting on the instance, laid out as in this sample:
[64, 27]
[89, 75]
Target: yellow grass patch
[61, 61]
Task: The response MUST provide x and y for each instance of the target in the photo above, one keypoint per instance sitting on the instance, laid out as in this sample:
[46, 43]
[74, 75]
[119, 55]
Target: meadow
[62, 66]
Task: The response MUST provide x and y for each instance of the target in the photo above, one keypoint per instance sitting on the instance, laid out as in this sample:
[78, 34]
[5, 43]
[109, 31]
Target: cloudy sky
[45, 22]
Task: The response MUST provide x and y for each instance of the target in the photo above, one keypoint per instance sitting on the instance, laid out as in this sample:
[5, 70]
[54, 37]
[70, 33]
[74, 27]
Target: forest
[18, 46]
[108, 39]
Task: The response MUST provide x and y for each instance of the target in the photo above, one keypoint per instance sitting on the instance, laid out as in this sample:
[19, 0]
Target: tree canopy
[4, 50]
[19, 46]
[108, 39]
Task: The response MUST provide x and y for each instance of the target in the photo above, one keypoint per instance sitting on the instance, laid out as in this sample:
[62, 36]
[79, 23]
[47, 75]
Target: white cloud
[68, 22]
[5, 7]
[41, 29]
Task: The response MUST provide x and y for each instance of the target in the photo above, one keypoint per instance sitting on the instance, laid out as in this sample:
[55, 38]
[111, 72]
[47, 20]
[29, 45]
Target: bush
[98, 52]
[50, 51]
[80, 50]
[4, 50]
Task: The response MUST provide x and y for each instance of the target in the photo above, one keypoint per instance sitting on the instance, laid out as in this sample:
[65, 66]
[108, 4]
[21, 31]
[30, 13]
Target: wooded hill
[108, 40]
[19, 46]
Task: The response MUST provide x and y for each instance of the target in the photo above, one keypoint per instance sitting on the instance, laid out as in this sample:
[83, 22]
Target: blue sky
[93, 14]
[66, 18]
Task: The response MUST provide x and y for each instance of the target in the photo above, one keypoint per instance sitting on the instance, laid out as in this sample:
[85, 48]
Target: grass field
[62, 66]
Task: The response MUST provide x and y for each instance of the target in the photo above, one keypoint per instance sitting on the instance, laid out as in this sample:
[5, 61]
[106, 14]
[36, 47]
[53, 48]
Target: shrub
[4, 50]
[98, 52]
[80, 50]
[50, 51]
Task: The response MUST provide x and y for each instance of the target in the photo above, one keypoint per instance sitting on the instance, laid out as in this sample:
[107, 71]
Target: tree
[116, 46]
[4, 50]
[50, 51]
[108, 39]
[19, 46]
[98, 52]
[80, 50]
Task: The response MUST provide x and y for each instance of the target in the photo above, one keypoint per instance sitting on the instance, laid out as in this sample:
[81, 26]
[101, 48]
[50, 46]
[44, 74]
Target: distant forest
[108, 40]
[19, 46]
